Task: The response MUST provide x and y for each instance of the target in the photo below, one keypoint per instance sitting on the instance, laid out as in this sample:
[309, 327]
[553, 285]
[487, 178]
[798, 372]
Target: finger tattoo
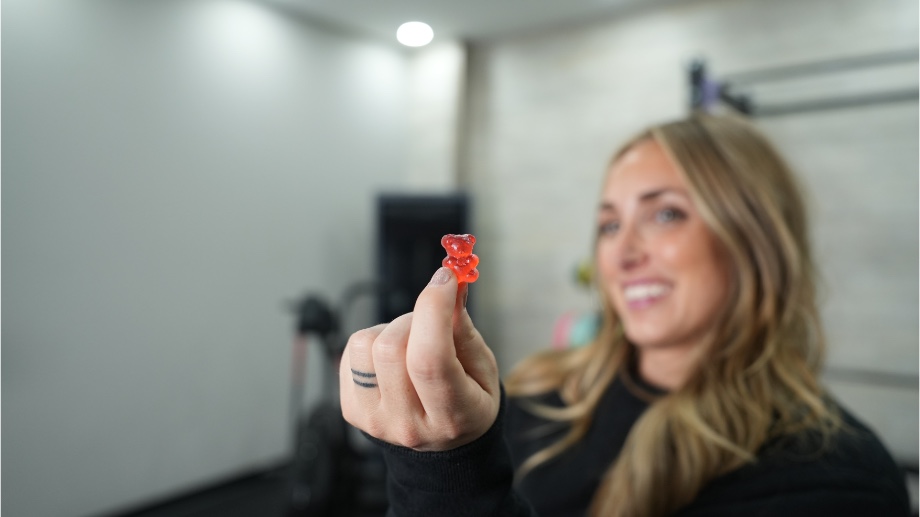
[366, 378]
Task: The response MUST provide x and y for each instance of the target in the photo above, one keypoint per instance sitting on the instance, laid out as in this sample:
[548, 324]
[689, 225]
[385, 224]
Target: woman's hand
[427, 380]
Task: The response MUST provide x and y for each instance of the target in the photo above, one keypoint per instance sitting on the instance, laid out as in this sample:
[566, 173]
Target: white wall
[547, 110]
[437, 95]
[174, 171]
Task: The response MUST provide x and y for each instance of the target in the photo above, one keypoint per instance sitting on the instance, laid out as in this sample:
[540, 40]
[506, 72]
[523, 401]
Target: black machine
[331, 474]
[409, 231]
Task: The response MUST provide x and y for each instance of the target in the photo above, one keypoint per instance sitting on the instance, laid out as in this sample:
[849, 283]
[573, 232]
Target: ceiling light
[414, 34]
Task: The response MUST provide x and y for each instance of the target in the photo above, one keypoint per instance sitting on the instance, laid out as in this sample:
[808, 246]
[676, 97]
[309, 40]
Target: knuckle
[455, 427]
[408, 436]
[467, 334]
[425, 369]
[362, 340]
[389, 346]
[491, 364]
[388, 349]
[407, 318]
[452, 432]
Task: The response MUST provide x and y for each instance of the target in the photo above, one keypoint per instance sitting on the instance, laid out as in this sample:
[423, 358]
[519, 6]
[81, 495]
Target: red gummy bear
[460, 257]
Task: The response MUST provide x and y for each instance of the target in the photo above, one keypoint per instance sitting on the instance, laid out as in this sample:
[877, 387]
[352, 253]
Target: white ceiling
[460, 19]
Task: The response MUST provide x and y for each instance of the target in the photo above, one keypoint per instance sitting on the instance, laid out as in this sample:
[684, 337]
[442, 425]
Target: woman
[700, 395]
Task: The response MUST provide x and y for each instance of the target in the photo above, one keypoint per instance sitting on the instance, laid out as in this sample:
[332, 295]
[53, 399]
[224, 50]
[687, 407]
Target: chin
[645, 340]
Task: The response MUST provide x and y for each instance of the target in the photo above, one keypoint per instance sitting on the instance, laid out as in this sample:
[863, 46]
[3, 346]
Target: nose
[631, 252]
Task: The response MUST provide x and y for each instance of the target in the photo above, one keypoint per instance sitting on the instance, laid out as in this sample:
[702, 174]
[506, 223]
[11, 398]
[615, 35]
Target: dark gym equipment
[335, 471]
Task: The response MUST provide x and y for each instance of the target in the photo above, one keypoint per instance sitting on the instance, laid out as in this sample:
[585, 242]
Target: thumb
[434, 307]
[431, 357]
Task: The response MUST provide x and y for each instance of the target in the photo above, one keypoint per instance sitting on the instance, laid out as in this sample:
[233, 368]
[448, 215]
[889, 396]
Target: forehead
[643, 167]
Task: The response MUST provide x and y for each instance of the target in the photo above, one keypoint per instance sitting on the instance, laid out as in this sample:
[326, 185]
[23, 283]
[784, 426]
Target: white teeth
[637, 292]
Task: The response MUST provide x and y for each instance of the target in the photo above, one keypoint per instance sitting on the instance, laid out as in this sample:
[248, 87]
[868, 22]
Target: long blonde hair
[760, 379]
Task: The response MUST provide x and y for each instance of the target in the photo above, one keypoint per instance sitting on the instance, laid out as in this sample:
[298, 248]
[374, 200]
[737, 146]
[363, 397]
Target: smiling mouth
[644, 294]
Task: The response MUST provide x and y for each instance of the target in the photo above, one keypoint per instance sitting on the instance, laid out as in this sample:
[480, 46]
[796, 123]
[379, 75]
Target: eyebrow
[652, 194]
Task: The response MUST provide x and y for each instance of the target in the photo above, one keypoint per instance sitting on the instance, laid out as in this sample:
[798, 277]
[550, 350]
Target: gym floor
[261, 495]
[266, 494]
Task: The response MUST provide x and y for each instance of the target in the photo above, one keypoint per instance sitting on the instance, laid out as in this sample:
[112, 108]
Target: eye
[669, 215]
[608, 228]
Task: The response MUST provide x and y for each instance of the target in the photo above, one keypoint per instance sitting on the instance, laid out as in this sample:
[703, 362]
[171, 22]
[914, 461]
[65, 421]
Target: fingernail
[466, 293]
[441, 276]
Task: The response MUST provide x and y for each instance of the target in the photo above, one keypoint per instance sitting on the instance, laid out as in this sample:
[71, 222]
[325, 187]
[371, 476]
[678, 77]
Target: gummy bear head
[458, 245]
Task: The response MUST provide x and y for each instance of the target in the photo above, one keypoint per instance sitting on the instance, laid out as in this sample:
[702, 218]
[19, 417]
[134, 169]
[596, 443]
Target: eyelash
[606, 228]
[673, 215]
[676, 215]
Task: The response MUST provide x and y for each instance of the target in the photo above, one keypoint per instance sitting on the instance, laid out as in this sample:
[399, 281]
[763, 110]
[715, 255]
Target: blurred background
[193, 194]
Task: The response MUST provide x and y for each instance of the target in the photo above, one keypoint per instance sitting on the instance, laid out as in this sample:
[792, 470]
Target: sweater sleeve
[474, 480]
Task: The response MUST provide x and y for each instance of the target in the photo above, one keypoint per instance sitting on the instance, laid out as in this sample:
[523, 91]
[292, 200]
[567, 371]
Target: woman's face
[660, 265]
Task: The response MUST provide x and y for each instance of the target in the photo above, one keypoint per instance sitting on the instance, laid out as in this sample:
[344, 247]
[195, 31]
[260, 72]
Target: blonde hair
[760, 378]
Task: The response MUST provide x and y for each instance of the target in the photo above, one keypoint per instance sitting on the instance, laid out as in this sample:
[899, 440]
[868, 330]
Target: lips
[642, 294]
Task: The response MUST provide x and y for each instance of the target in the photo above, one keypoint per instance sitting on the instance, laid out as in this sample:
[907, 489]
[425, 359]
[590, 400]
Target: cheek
[693, 250]
[701, 266]
[607, 271]
[707, 271]
[603, 258]
[674, 252]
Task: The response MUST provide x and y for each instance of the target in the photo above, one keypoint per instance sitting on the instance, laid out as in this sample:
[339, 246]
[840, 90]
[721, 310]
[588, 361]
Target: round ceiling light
[414, 34]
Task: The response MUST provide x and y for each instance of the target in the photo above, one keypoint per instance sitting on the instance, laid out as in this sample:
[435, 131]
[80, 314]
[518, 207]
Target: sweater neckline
[638, 386]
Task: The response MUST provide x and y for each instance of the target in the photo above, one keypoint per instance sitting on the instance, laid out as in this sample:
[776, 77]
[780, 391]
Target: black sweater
[856, 477]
